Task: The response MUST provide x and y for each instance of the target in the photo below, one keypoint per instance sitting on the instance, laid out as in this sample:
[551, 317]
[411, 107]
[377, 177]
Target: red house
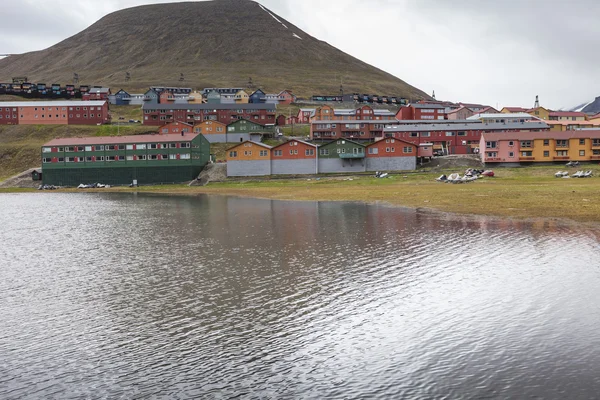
[419, 111]
[176, 128]
[286, 97]
[96, 94]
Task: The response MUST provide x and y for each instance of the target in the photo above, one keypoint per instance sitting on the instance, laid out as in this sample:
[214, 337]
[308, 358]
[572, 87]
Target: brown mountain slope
[214, 43]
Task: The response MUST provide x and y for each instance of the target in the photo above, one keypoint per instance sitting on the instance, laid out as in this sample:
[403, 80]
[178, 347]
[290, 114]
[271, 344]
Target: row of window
[559, 153]
[137, 157]
[110, 147]
[529, 143]
[57, 108]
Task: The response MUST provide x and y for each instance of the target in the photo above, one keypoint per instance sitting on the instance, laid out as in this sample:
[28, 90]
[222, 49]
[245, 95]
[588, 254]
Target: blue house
[122, 98]
[258, 97]
[151, 97]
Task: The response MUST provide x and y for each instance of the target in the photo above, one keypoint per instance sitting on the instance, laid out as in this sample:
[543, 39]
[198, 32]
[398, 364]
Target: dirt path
[23, 180]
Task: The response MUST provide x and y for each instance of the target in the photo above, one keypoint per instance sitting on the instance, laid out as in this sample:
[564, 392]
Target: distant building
[417, 111]
[162, 114]
[54, 113]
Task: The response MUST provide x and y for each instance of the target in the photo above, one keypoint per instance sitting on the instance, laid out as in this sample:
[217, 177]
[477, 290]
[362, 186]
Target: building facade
[294, 157]
[149, 159]
[349, 129]
[54, 113]
[517, 148]
[391, 154]
[249, 159]
[161, 114]
[417, 111]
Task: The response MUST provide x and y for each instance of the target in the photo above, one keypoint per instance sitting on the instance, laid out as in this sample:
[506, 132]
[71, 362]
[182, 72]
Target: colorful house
[418, 111]
[304, 115]
[567, 116]
[149, 159]
[54, 113]
[176, 128]
[258, 97]
[512, 110]
[244, 130]
[241, 97]
[341, 155]
[391, 154]
[97, 93]
[213, 131]
[286, 97]
[461, 113]
[539, 112]
[122, 98]
[166, 97]
[294, 157]
[213, 97]
[196, 97]
[151, 97]
[517, 148]
[249, 159]
[161, 114]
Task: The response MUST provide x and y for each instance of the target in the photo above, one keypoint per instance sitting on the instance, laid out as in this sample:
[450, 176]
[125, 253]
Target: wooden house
[249, 159]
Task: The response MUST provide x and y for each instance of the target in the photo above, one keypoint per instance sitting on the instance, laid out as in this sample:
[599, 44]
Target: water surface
[139, 296]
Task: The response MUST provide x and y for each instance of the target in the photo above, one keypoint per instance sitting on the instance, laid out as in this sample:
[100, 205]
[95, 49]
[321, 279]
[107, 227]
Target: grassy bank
[519, 193]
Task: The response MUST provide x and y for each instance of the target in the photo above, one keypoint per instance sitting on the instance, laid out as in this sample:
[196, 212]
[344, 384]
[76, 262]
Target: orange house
[176, 128]
[213, 131]
[249, 159]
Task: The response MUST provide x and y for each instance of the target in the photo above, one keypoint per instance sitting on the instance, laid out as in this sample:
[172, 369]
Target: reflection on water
[132, 296]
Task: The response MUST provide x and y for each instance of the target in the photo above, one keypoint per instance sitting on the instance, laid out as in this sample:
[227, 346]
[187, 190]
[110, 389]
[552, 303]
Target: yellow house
[196, 98]
[242, 97]
[539, 112]
[567, 116]
[561, 126]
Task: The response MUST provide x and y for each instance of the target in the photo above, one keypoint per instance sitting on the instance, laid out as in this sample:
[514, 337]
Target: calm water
[131, 296]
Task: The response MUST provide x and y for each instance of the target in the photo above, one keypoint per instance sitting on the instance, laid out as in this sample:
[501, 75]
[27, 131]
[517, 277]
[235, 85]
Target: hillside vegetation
[212, 43]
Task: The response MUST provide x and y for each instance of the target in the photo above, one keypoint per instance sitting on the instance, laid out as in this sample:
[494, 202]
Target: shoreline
[524, 196]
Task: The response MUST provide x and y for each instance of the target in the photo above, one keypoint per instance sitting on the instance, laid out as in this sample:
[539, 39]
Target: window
[88, 159]
[511, 154]
[562, 153]
[277, 153]
[99, 148]
[100, 158]
[425, 134]
[185, 145]
[449, 133]
[526, 143]
[462, 134]
[492, 154]
[309, 152]
[263, 153]
[582, 142]
[46, 150]
[293, 152]
[80, 148]
[166, 130]
[414, 134]
[154, 156]
[111, 158]
[562, 143]
[129, 147]
[153, 146]
[248, 153]
[526, 154]
[141, 157]
[324, 152]
[582, 153]
[511, 143]
[88, 148]
[490, 145]
[373, 150]
[546, 153]
[174, 156]
[173, 145]
[47, 160]
[407, 150]
[546, 142]
[387, 149]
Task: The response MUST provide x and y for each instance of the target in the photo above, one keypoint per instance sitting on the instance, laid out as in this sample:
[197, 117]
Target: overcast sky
[501, 53]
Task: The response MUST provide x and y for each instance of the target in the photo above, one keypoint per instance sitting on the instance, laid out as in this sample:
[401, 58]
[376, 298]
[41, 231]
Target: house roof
[99, 90]
[156, 138]
[177, 123]
[193, 107]
[480, 126]
[515, 109]
[253, 142]
[355, 121]
[344, 139]
[239, 121]
[419, 105]
[567, 123]
[502, 116]
[91, 103]
[296, 140]
[564, 135]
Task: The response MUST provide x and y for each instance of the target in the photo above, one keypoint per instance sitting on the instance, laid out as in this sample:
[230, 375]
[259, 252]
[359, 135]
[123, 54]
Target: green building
[119, 160]
[340, 156]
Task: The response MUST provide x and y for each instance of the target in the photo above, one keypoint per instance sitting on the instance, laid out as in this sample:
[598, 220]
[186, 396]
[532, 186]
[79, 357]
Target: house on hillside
[286, 97]
[249, 159]
[391, 154]
[122, 98]
[539, 112]
[151, 97]
[213, 97]
[241, 97]
[258, 97]
[97, 93]
[567, 116]
[461, 113]
[166, 97]
[213, 131]
[418, 111]
[513, 110]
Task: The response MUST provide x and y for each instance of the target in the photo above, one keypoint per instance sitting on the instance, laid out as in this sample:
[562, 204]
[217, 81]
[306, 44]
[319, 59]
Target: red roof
[516, 109]
[121, 140]
[565, 135]
[296, 140]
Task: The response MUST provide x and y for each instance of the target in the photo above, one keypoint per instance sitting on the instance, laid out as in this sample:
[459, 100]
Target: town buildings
[161, 114]
[147, 159]
[418, 111]
[297, 157]
[54, 113]
[522, 148]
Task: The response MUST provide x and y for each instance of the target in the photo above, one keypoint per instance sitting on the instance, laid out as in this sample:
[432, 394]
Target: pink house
[286, 97]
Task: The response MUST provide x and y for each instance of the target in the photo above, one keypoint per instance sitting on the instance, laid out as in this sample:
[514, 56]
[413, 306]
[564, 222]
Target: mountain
[590, 107]
[220, 43]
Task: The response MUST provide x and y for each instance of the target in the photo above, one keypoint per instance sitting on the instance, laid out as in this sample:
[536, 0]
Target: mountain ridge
[213, 43]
